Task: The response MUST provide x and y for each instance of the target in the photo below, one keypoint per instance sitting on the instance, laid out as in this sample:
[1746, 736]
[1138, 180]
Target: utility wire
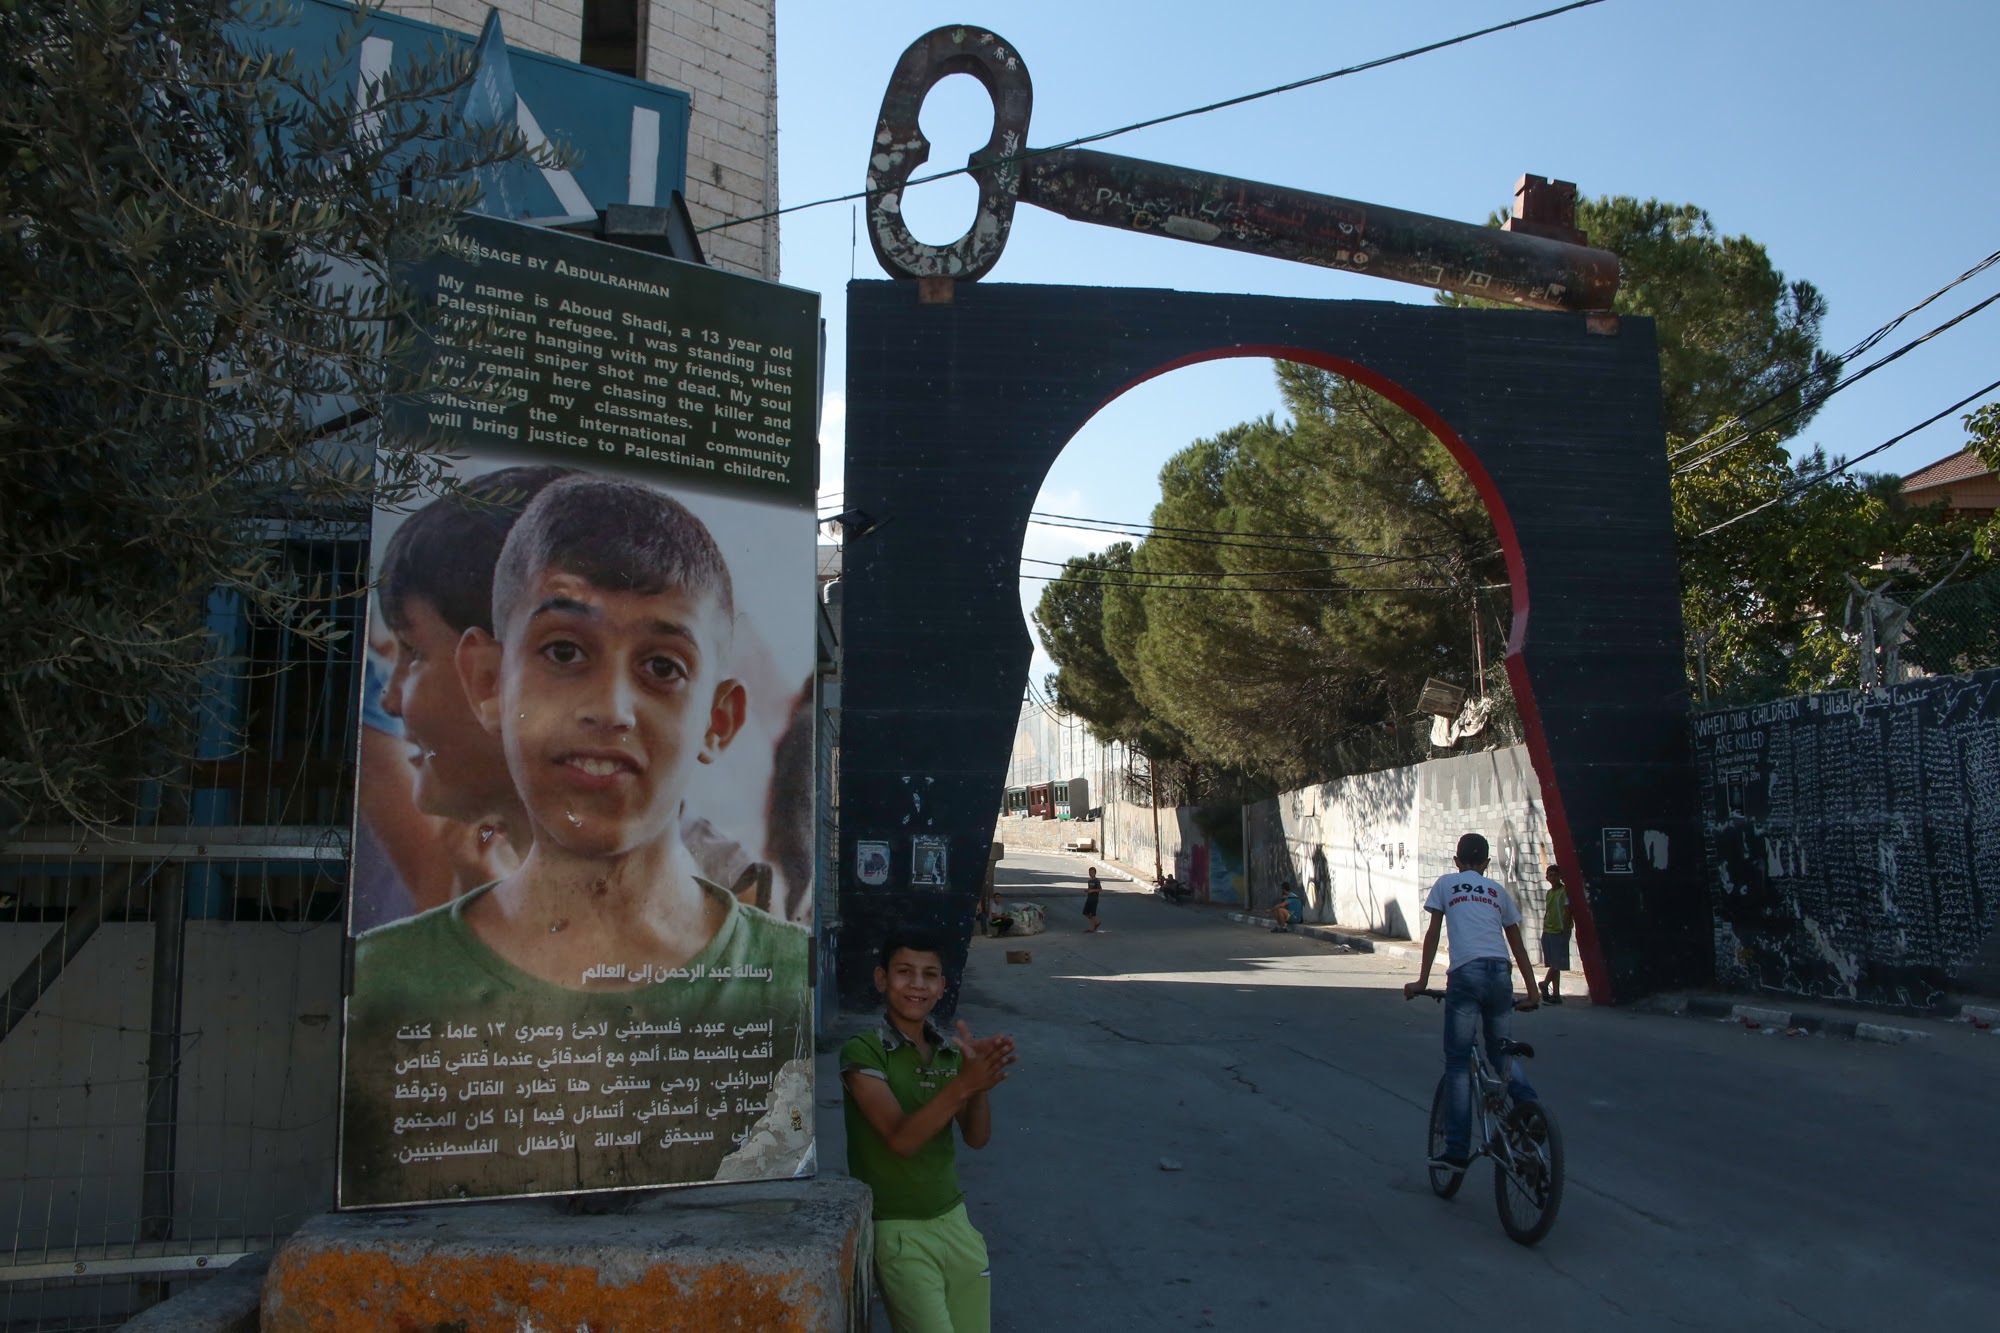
[1101, 135]
[1867, 370]
[1816, 478]
[1218, 573]
[1211, 587]
[1151, 529]
[1245, 546]
[1864, 345]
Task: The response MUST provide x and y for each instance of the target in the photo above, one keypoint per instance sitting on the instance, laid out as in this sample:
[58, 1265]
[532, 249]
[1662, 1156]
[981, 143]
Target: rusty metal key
[1538, 261]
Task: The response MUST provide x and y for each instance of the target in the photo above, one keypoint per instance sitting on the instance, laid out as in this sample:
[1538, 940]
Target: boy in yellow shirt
[1556, 926]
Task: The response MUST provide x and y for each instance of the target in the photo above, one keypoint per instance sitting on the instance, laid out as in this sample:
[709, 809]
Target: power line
[1864, 345]
[1867, 370]
[1152, 529]
[1217, 573]
[1240, 545]
[1026, 154]
[1800, 487]
[1212, 587]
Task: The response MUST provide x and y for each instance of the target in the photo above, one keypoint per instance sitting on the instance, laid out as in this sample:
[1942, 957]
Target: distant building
[1966, 485]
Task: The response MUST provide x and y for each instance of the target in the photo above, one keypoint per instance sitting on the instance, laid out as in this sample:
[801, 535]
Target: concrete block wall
[1045, 835]
[1496, 793]
[552, 27]
[1365, 849]
[1350, 845]
[722, 53]
[1127, 835]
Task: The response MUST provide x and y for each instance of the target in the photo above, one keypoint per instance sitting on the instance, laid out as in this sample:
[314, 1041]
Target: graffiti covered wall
[1853, 840]
[1365, 849]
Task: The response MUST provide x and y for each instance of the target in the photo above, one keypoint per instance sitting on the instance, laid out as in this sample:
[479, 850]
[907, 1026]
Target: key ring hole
[957, 119]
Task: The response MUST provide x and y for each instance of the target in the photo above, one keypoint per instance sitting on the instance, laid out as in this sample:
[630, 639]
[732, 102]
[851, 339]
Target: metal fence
[169, 1043]
[1957, 628]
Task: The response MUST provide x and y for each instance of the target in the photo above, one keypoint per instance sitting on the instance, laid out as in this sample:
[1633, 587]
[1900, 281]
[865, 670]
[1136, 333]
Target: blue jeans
[1479, 991]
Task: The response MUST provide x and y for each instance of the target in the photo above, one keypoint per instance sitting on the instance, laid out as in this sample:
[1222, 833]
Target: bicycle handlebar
[1439, 995]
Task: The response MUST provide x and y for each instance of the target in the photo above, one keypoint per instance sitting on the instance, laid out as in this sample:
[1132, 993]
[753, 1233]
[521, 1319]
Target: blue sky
[1854, 140]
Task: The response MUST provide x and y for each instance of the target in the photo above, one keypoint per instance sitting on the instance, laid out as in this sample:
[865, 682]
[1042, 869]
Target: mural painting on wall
[581, 959]
[1853, 840]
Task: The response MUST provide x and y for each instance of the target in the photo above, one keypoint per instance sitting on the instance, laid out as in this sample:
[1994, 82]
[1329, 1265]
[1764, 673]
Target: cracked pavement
[1717, 1178]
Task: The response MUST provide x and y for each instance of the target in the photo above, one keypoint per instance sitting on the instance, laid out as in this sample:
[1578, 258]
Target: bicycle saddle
[1520, 1048]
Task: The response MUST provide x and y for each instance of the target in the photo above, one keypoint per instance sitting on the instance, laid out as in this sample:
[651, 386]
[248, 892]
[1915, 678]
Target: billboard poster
[582, 879]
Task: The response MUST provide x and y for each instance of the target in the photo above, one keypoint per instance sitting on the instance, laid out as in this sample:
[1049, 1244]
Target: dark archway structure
[955, 412]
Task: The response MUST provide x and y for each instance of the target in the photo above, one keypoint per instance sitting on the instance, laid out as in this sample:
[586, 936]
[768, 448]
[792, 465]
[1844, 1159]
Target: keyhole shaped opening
[958, 120]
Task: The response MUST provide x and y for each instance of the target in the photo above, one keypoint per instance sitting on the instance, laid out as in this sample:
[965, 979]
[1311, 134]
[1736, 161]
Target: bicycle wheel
[1528, 1182]
[1444, 1180]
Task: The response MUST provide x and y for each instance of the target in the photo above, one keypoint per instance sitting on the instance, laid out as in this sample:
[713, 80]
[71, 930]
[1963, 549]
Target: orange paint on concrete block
[335, 1290]
[792, 1258]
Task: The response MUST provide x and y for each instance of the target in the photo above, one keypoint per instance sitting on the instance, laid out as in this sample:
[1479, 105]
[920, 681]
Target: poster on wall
[928, 863]
[871, 862]
[1618, 851]
[581, 887]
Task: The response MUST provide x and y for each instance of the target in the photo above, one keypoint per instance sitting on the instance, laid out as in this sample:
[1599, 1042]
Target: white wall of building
[723, 54]
[553, 27]
[1365, 849]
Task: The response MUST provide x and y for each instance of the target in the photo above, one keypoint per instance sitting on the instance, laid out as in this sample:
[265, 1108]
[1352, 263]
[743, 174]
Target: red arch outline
[1517, 577]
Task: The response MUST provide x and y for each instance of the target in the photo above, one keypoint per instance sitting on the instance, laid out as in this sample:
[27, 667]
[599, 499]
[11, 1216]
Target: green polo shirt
[466, 1076]
[925, 1184]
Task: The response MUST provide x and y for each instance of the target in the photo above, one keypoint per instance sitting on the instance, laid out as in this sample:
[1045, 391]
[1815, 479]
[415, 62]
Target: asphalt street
[1215, 1127]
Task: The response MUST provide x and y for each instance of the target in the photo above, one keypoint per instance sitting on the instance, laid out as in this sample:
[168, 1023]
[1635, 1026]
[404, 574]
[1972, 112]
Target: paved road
[1718, 1179]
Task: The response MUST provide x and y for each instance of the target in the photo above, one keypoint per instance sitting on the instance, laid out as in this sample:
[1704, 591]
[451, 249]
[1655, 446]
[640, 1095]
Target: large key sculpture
[1538, 260]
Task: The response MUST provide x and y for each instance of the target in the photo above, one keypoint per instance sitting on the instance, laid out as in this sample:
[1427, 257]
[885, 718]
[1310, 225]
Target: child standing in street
[1556, 925]
[905, 1085]
[1090, 902]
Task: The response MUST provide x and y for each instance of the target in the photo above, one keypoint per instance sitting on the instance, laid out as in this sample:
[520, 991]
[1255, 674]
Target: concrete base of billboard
[790, 1255]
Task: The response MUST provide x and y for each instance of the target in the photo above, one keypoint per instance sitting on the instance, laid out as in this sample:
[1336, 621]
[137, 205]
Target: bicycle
[1520, 1137]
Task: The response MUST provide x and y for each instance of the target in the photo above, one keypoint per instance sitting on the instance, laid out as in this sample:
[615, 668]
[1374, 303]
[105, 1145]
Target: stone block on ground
[791, 1256]
[225, 1303]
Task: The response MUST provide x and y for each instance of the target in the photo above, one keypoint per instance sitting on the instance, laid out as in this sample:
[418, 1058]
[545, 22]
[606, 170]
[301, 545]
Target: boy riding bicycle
[1485, 928]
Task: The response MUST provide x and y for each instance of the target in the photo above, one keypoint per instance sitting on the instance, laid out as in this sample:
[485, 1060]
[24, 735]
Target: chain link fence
[169, 1043]
[1957, 628]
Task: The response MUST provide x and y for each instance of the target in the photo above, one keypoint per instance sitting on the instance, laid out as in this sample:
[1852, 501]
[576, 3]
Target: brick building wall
[722, 53]
[552, 27]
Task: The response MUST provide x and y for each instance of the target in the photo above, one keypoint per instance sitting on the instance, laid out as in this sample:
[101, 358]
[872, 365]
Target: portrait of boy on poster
[601, 1012]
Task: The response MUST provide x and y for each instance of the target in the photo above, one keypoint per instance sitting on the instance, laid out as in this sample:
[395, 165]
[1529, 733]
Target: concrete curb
[1110, 869]
[225, 1303]
[1327, 935]
[1979, 1015]
[1783, 1020]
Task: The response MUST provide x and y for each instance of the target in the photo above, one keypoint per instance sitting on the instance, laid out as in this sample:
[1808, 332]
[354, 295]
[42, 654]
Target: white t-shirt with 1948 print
[1477, 912]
